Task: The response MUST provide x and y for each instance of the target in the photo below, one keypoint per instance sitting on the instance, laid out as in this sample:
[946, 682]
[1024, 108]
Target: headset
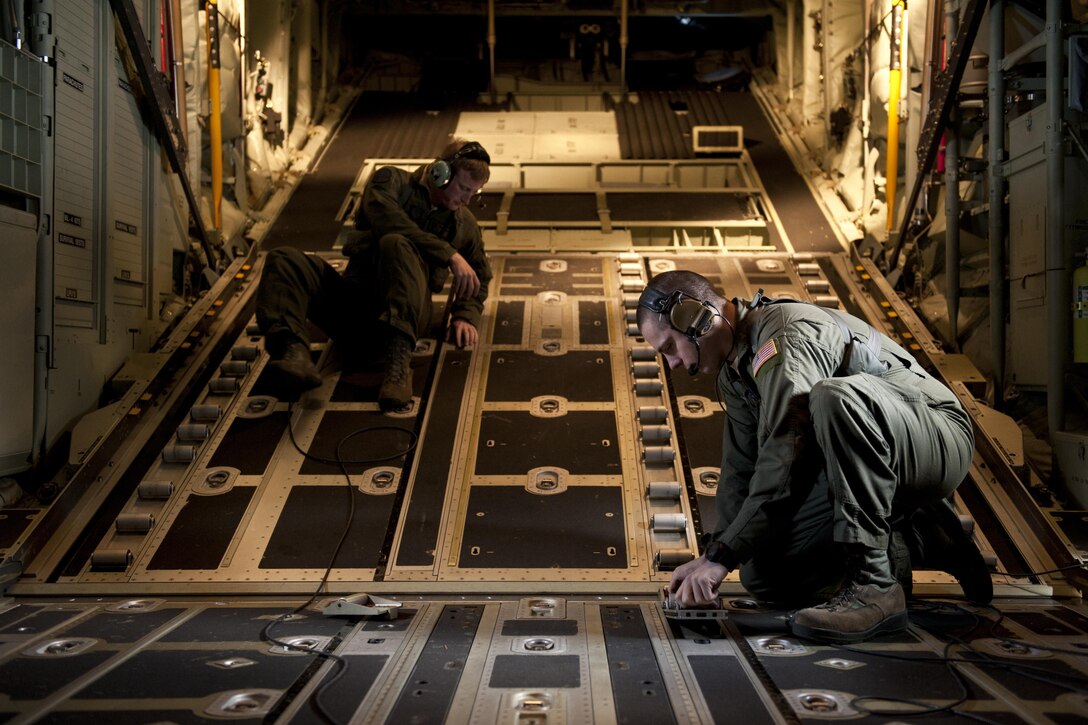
[442, 169]
[686, 314]
[694, 318]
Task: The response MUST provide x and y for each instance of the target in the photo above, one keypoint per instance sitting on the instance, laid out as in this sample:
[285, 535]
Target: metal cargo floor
[520, 536]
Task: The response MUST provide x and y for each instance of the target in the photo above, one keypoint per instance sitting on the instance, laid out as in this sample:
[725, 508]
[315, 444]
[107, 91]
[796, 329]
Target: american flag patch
[766, 352]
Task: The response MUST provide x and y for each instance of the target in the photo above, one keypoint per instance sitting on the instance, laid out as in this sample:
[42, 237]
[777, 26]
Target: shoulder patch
[767, 352]
[383, 174]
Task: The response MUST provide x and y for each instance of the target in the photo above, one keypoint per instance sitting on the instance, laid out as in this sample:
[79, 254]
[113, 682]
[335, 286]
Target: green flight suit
[398, 256]
[825, 444]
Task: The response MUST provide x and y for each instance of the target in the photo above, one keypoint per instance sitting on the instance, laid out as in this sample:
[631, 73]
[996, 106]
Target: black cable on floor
[983, 660]
[340, 664]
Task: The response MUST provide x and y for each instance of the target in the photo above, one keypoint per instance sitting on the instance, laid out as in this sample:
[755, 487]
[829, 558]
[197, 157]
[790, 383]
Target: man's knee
[396, 247]
[287, 266]
[284, 257]
[403, 268]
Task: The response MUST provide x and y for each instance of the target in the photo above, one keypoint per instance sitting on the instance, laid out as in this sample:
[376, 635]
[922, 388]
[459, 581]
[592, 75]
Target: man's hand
[695, 584]
[466, 284]
[462, 333]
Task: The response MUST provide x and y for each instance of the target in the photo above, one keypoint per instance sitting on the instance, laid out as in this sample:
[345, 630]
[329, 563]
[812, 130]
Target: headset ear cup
[690, 317]
[440, 173]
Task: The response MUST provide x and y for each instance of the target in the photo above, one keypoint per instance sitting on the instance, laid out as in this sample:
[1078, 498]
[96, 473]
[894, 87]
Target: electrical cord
[339, 663]
[981, 659]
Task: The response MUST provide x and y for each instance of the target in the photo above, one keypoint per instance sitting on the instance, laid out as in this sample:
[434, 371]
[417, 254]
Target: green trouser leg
[804, 564]
[387, 282]
[888, 445]
[398, 276]
[296, 287]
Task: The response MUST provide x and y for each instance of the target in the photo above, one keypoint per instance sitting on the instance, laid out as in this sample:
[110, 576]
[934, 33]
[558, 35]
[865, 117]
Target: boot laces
[846, 597]
[399, 361]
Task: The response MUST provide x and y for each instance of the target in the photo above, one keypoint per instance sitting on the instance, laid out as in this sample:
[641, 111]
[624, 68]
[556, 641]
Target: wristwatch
[716, 551]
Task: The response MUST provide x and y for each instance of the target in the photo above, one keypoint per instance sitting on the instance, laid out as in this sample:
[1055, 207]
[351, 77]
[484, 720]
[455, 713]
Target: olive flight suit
[826, 442]
[398, 256]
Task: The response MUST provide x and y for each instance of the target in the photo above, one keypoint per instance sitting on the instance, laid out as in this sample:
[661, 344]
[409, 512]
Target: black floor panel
[35, 678]
[1036, 679]
[582, 527]
[690, 206]
[702, 440]
[513, 442]
[312, 522]
[342, 698]
[540, 627]
[638, 687]
[24, 621]
[363, 439]
[245, 624]
[189, 673]
[592, 323]
[740, 702]
[250, 444]
[521, 375]
[424, 515]
[126, 627]
[910, 674]
[532, 671]
[202, 531]
[509, 323]
[429, 692]
[546, 207]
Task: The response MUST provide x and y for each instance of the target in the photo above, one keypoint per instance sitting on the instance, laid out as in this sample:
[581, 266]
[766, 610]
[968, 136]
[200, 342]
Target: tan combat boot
[857, 613]
[396, 390]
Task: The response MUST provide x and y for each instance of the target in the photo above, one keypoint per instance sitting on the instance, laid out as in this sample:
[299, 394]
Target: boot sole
[891, 625]
[389, 405]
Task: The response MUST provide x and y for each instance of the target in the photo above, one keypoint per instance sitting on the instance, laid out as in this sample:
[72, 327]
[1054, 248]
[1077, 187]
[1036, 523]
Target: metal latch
[363, 605]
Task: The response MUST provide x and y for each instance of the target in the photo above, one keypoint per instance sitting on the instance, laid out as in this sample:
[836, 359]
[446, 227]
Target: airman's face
[680, 352]
[460, 191]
